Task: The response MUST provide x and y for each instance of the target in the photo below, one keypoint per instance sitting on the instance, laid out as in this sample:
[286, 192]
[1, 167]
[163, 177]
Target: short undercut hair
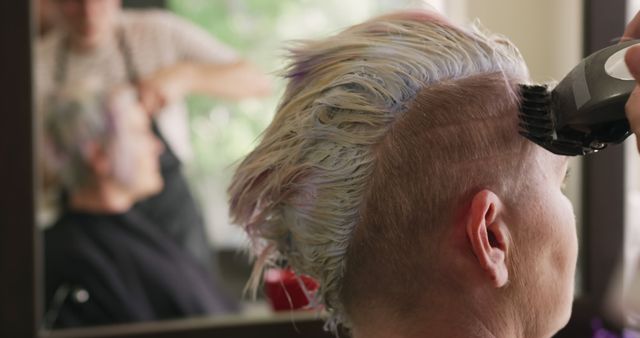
[379, 132]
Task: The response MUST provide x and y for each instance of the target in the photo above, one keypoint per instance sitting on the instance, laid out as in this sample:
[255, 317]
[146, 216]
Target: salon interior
[213, 133]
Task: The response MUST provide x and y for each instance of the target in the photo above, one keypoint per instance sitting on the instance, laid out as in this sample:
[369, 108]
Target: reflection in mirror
[144, 112]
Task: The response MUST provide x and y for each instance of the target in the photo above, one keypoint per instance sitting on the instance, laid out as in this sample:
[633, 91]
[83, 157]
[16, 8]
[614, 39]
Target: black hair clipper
[585, 112]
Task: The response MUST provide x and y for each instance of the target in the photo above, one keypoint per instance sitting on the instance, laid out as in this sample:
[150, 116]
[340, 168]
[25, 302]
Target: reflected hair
[329, 187]
[78, 117]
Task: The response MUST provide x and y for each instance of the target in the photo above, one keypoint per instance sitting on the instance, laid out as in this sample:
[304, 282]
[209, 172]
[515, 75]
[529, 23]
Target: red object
[283, 289]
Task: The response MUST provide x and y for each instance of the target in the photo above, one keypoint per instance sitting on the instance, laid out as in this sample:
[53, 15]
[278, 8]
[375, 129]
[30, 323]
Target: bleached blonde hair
[363, 143]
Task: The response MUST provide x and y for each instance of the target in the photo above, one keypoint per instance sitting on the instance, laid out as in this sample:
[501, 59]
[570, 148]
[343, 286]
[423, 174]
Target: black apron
[127, 270]
[174, 209]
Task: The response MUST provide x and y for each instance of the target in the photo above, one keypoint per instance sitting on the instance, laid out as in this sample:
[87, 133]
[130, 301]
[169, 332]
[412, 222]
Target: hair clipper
[585, 112]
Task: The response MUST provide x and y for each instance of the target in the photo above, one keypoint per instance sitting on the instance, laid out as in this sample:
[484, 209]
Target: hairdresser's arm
[233, 81]
[633, 62]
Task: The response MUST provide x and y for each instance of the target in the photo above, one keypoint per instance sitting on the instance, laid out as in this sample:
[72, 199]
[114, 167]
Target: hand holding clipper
[585, 112]
[632, 58]
[632, 108]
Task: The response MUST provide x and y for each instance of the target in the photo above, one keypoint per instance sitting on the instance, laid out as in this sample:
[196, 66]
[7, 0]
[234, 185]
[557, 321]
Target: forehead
[549, 162]
[557, 161]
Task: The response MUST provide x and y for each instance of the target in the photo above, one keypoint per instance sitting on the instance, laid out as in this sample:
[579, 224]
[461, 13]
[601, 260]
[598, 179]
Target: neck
[80, 46]
[101, 197]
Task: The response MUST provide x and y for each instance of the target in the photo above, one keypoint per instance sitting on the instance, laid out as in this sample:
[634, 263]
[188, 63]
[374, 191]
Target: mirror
[120, 248]
[207, 135]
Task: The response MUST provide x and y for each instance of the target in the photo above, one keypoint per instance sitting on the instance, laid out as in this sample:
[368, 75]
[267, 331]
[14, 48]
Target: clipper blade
[538, 122]
[536, 118]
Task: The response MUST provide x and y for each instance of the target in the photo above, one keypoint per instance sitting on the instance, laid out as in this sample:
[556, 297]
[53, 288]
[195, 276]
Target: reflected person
[105, 262]
[393, 173]
[166, 58]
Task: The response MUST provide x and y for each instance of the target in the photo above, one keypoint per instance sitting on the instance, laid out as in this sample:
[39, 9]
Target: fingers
[151, 100]
[632, 108]
[633, 29]
[632, 59]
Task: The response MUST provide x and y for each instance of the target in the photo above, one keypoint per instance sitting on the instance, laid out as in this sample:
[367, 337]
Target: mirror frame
[20, 305]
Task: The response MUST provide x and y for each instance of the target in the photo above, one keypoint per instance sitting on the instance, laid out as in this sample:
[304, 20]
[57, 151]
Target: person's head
[88, 22]
[95, 139]
[393, 172]
[45, 16]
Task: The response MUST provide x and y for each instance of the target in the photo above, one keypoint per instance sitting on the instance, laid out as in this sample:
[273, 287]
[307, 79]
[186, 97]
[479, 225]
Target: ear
[489, 236]
[97, 159]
